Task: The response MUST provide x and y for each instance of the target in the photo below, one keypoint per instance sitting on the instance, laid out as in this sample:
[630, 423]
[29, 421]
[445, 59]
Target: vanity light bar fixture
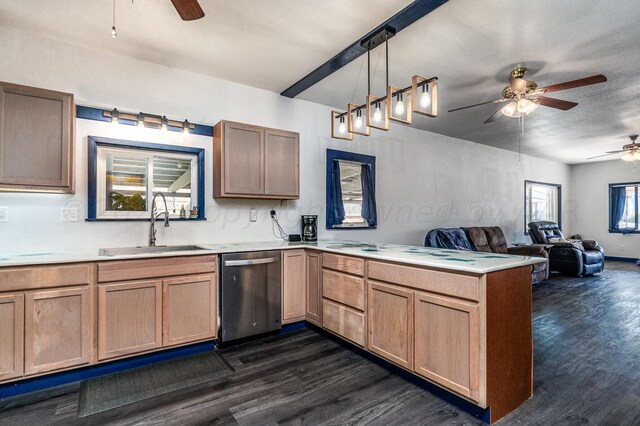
[398, 104]
[149, 121]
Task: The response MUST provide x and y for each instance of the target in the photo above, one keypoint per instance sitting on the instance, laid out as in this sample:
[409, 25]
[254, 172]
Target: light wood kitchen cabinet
[58, 331]
[344, 321]
[129, 318]
[11, 336]
[255, 162]
[344, 288]
[281, 166]
[390, 323]
[36, 139]
[189, 309]
[447, 342]
[314, 287]
[293, 286]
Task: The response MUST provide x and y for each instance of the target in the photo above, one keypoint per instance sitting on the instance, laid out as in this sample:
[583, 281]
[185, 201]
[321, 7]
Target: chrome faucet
[155, 216]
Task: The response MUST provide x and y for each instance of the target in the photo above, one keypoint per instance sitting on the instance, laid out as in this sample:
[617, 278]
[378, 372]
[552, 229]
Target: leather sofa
[490, 239]
[569, 257]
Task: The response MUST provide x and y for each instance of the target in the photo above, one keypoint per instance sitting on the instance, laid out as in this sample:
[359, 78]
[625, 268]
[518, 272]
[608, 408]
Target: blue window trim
[557, 185]
[636, 230]
[97, 141]
[333, 154]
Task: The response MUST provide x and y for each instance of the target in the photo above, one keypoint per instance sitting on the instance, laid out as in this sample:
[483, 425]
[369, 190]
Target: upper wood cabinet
[255, 162]
[36, 139]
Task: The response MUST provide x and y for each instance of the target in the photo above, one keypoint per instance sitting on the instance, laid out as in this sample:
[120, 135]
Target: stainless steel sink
[121, 251]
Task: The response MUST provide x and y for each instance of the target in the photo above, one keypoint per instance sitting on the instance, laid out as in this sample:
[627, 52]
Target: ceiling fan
[524, 96]
[632, 151]
[189, 10]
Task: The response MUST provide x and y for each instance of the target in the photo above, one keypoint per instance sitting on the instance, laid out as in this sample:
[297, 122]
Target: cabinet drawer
[343, 288]
[343, 321]
[153, 268]
[456, 285]
[31, 278]
[350, 265]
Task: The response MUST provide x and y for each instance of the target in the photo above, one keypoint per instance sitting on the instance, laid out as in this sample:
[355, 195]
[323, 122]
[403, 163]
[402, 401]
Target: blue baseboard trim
[293, 326]
[483, 414]
[65, 377]
[621, 259]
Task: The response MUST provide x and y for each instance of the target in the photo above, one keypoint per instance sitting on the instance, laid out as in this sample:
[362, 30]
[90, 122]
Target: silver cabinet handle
[251, 261]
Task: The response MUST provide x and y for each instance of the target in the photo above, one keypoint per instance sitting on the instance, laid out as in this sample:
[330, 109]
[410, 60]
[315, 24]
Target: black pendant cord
[368, 72]
[386, 45]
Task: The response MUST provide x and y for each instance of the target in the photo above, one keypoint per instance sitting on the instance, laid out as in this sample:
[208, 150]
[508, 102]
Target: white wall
[590, 218]
[424, 180]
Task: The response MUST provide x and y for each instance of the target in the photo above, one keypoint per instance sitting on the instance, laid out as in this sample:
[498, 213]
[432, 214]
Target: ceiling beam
[398, 22]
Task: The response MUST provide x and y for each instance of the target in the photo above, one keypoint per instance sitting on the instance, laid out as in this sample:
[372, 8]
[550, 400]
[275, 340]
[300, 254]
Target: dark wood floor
[587, 370]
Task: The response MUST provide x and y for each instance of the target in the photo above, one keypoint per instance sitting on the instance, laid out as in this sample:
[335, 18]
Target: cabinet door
[243, 159]
[314, 287]
[447, 342]
[281, 163]
[58, 329]
[189, 309]
[390, 317]
[293, 286]
[129, 318]
[11, 336]
[36, 139]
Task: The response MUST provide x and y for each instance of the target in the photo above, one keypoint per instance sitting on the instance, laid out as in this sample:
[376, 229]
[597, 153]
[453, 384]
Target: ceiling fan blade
[556, 103]
[189, 10]
[494, 117]
[616, 152]
[603, 155]
[483, 103]
[594, 79]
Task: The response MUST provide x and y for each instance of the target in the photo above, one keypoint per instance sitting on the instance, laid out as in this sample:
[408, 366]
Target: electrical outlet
[69, 214]
[4, 214]
[253, 215]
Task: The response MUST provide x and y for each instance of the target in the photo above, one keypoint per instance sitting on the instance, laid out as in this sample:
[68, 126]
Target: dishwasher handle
[249, 262]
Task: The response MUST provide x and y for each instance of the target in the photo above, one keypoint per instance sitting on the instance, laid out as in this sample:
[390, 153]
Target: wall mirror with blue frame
[351, 190]
[124, 176]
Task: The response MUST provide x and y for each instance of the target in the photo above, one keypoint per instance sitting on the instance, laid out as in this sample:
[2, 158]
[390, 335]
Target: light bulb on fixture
[164, 124]
[425, 98]
[510, 109]
[185, 127]
[342, 128]
[399, 105]
[526, 106]
[628, 156]
[115, 115]
[141, 120]
[636, 155]
[114, 34]
[377, 113]
[358, 120]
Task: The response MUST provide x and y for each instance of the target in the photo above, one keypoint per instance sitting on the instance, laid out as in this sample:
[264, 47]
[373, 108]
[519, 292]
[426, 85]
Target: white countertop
[456, 260]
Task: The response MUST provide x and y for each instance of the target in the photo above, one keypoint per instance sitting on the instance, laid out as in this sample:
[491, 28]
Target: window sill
[177, 219]
[347, 227]
[624, 231]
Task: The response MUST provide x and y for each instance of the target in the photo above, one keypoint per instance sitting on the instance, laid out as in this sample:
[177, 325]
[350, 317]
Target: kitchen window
[124, 176]
[623, 207]
[542, 202]
[351, 202]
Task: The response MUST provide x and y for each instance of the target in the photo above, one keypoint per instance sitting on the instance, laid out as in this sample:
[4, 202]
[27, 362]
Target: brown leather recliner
[491, 239]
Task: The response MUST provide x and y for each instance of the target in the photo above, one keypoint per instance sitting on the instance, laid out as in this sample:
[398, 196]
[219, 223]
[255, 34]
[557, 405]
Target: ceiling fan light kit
[398, 104]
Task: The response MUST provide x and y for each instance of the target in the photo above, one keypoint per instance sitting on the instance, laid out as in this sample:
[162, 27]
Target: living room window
[542, 202]
[623, 207]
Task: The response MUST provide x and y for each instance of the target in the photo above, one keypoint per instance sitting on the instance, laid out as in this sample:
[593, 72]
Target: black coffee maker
[309, 227]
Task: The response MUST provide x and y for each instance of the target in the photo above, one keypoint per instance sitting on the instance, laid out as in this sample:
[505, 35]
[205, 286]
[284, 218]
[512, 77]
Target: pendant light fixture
[114, 33]
[398, 104]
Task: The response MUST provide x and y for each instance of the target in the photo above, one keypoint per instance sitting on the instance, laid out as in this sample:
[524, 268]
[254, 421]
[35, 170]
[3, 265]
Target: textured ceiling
[469, 44]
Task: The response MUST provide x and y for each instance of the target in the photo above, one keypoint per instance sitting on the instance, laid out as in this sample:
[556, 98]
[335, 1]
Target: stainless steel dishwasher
[250, 288]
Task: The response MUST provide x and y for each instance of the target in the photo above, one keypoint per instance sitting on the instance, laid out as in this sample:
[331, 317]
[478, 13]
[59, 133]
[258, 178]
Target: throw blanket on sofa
[451, 238]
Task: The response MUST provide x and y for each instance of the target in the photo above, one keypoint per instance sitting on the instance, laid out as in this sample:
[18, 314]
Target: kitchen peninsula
[439, 314]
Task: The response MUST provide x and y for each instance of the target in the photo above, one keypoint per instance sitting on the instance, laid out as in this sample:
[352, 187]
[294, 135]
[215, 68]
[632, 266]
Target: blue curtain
[336, 206]
[369, 210]
[617, 205]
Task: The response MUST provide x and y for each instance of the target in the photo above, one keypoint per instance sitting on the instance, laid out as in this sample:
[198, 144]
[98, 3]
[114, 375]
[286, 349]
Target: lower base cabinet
[129, 318]
[11, 336]
[189, 309]
[293, 286]
[390, 323]
[344, 321]
[57, 329]
[447, 343]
